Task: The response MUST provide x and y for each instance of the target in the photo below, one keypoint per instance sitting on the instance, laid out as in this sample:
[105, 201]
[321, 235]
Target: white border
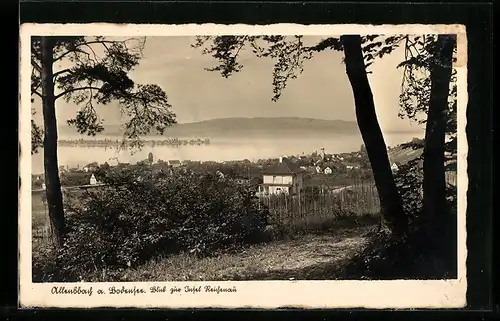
[250, 294]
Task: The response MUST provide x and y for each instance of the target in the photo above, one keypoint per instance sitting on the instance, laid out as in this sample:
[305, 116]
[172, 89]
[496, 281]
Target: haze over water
[219, 149]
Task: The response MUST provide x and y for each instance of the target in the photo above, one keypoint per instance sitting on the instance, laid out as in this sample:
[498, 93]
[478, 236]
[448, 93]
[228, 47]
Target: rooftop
[283, 168]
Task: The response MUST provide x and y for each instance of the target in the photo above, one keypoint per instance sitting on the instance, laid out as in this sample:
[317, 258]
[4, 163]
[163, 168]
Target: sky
[322, 91]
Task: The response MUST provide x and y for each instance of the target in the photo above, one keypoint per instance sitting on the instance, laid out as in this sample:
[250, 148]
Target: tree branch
[241, 46]
[36, 65]
[75, 89]
[36, 93]
[61, 72]
[37, 85]
[70, 51]
[88, 43]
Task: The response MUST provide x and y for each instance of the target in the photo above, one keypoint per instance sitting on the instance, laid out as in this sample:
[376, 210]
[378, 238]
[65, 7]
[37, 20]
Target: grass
[313, 256]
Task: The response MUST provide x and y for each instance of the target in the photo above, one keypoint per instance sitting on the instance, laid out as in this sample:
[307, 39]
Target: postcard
[242, 166]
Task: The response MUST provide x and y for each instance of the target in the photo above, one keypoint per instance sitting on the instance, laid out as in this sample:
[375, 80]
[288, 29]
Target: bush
[142, 214]
[75, 178]
[409, 180]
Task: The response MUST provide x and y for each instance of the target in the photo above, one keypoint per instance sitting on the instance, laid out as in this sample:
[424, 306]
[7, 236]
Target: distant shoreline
[118, 142]
[243, 127]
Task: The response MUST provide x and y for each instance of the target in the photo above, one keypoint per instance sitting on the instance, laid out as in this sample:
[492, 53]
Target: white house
[283, 177]
[318, 169]
[394, 167]
[93, 180]
[328, 171]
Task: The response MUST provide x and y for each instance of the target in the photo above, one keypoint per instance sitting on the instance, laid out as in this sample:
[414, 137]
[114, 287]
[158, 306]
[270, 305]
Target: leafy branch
[97, 75]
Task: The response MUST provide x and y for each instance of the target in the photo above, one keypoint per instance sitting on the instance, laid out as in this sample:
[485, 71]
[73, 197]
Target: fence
[359, 198]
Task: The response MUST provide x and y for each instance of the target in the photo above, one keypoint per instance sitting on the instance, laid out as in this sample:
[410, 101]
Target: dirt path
[311, 257]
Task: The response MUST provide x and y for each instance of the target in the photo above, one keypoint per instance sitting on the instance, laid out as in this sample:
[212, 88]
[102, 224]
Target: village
[289, 174]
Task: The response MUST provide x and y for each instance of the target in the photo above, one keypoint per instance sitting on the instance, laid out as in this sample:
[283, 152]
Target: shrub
[142, 214]
[409, 180]
[75, 178]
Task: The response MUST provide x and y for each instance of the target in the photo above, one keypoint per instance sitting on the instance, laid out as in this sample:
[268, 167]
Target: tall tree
[428, 96]
[95, 73]
[435, 134]
[289, 54]
[430, 89]
[391, 207]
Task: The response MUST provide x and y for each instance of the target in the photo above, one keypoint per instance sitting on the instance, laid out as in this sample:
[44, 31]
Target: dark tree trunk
[392, 212]
[52, 182]
[434, 203]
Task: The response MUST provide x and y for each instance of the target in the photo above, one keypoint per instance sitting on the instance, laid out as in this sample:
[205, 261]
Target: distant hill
[241, 127]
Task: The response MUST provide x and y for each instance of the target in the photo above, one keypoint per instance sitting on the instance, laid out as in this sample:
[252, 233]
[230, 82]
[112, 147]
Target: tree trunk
[52, 182]
[393, 216]
[434, 185]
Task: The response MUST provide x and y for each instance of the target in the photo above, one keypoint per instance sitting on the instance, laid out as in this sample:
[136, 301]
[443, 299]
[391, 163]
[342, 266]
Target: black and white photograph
[168, 166]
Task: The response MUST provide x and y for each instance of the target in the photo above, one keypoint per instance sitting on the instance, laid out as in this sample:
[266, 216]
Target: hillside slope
[403, 155]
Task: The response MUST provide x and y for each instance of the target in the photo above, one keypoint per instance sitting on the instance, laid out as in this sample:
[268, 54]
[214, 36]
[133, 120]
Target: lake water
[219, 149]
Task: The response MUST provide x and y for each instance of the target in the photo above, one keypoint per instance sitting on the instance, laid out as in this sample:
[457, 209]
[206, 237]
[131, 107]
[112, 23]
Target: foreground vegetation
[161, 225]
[144, 215]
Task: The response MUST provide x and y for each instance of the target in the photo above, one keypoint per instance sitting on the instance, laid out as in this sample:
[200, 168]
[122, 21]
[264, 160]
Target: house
[91, 167]
[318, 170]
[328, 171]
[174, 163]
[352, 166]
[394, 168]
[283, 177]
[93, 180]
